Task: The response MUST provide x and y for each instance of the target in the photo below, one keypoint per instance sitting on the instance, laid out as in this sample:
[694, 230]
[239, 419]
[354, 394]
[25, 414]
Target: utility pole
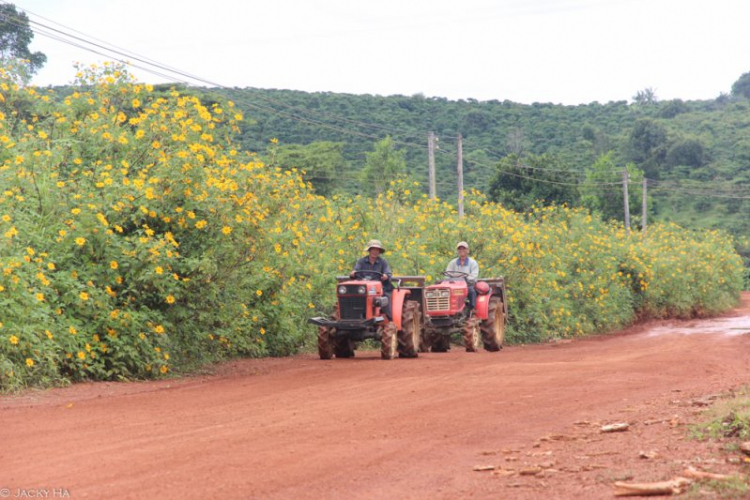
[431, 163]
[645, 209]
[625, 199]
[460, 171]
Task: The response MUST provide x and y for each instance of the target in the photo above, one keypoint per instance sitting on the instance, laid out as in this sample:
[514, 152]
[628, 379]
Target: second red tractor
[446, 312]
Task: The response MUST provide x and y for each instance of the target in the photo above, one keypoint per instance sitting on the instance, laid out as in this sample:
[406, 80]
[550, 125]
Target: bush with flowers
[135, 240]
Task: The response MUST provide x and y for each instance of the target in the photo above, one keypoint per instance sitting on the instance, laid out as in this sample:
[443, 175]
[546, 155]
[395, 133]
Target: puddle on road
[726, 326]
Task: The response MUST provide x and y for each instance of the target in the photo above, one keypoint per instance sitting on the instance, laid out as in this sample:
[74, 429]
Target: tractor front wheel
[471, 335]
[389, 341]
[343, 347]
[426, 339]
[326, 342]
[493, 328]
[327, 337]
[441, 341]
[409, 337]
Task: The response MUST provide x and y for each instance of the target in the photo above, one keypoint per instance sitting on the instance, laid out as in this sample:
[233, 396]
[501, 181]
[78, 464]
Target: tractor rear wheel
[471, 335]
[493, 328]
[409, 337]
[325, 342]
[389, 341]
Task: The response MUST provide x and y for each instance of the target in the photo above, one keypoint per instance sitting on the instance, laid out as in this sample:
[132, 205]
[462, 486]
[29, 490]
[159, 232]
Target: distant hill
[697, 153]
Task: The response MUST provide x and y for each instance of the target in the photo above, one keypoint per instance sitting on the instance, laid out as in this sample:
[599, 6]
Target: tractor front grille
[353, 307]
[438, 304]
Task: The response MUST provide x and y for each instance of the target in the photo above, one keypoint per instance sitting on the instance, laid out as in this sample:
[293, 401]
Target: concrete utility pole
[645, 208]
[625, 199]
[431, 163]
[460, 171]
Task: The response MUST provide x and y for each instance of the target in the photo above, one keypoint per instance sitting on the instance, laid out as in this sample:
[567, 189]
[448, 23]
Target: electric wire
[164, 70]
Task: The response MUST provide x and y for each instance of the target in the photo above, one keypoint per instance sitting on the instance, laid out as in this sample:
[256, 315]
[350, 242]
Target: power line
[662, 186]
[164, 72]
[145, 60]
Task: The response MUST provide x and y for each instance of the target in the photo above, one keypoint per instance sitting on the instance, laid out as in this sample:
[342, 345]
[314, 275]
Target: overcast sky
[558, 51]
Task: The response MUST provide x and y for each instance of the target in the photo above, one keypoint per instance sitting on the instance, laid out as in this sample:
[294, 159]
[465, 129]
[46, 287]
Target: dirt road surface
[366, 428]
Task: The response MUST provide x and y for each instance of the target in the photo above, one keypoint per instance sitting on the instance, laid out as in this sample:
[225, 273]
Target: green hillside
[696, 154]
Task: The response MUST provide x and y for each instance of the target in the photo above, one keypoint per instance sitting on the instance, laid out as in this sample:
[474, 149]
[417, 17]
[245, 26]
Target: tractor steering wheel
[364, 275]
[455, 274]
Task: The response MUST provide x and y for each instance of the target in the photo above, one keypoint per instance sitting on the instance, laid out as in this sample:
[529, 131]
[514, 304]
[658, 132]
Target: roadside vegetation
[728, 423]
[138, 239]
[728, 419]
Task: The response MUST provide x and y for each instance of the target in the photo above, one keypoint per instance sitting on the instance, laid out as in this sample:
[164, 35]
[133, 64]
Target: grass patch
[728, 423]
[729, 419]
[734, 488]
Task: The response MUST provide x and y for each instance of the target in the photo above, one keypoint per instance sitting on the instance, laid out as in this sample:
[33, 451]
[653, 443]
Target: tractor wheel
[441, 342]
[327, 337]
[343, 347]
[389, 341]
[325, 342]
[410, 336]
[426, 339]
[493, 328]
[471, 335]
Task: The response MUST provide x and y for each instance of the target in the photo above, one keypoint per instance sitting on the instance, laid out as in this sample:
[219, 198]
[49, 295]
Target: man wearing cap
[465, 264]
[374, 262]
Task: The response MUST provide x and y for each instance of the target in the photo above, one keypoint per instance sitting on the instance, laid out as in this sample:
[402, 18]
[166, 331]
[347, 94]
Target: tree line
[697, 153]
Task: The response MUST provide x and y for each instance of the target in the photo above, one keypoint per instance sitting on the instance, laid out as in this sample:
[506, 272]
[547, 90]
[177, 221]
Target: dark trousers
[387, 309]
[472, 297]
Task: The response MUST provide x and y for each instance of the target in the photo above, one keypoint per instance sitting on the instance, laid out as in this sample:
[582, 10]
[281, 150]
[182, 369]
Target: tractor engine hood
[446, 298]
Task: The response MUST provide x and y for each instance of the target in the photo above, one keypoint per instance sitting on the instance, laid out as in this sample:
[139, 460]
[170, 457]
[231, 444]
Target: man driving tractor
[465, 264]
[374, 262]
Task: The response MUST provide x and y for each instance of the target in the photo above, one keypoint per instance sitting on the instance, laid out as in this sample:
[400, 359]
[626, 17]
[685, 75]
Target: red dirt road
[365, 428]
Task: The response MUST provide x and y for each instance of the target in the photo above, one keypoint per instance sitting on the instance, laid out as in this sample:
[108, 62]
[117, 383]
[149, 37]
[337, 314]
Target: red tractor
[358, 316]
[447, 312]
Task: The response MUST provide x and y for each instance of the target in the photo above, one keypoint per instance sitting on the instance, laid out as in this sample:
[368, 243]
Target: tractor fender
[397, 305]
[483, 306]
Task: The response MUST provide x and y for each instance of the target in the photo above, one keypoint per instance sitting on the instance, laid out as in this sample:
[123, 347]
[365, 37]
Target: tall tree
[645, 96]
[383, 165]
[15, 37]
[601, 192]
[522, 181]
[647, 146]
[689, 152]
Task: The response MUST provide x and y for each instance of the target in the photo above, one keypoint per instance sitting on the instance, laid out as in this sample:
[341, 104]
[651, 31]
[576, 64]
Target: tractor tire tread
[493, 328]
[410, 336]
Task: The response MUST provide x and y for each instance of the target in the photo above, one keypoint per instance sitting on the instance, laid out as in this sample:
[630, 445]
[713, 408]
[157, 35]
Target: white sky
[559, 51]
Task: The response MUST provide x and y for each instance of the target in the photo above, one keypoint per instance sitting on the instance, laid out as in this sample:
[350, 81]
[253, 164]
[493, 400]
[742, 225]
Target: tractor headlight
[342, 290]
[445, 293]
[430, 294]
[362, 290]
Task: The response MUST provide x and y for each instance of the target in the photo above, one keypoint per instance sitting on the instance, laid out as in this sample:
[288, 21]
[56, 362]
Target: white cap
[462, 244]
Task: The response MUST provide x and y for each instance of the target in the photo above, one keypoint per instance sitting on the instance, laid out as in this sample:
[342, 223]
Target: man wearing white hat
[465, 264]
[374, 262]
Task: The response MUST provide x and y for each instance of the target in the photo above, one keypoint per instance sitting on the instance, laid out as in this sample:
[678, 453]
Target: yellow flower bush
[136, 240]
[102, 189]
